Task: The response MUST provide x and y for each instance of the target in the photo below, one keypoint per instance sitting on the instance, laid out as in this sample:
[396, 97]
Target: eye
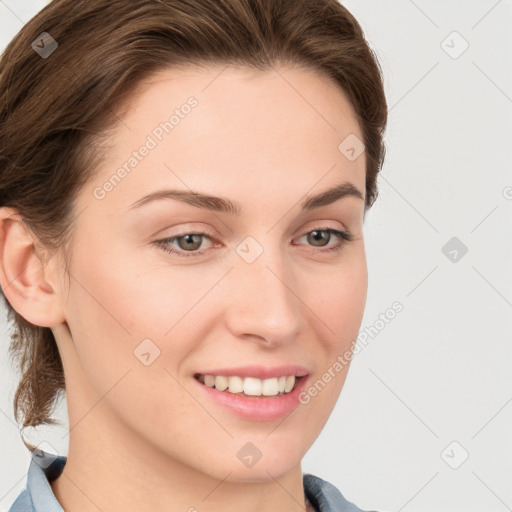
[190, 242]
[187, 242]
[319, 235]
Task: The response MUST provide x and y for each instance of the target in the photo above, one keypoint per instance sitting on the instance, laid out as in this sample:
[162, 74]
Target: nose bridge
[264, 303]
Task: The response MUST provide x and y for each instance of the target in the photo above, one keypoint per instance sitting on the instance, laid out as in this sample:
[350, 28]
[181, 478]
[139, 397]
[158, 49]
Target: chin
[253, 465]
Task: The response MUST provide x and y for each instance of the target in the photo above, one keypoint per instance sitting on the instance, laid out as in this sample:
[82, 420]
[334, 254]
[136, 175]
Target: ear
[27, 281]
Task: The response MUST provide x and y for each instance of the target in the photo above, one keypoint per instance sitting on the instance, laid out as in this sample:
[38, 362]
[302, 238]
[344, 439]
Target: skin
[145, 437]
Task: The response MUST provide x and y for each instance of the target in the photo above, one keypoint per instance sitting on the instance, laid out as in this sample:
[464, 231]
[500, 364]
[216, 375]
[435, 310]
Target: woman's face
[264, 293]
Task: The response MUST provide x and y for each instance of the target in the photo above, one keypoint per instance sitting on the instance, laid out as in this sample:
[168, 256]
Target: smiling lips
[250, 386]
[254, 393]
[253, 380]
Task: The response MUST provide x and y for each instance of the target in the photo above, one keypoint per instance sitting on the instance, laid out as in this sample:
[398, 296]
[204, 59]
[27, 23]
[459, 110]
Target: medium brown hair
[55, 112]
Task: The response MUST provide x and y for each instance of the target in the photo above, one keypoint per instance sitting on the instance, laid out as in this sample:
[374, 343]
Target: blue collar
[46, 467]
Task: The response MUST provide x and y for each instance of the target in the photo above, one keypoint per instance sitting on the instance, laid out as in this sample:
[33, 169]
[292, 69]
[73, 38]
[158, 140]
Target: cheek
[131, 300]
[119, 327]
[338, 298]
[124, 313]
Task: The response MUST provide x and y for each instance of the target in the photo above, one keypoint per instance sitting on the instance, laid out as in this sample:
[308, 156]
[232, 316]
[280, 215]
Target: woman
[183, 189]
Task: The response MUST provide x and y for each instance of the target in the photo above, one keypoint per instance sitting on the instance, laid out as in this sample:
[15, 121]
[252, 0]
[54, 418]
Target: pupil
[316, 238]
[189, 240]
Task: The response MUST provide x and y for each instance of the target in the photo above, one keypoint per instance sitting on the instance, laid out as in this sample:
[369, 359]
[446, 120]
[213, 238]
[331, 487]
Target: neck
[122, 472]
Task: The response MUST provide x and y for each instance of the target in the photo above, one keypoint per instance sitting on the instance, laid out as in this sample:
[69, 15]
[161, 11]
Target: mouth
[250, 386]
[254, 393]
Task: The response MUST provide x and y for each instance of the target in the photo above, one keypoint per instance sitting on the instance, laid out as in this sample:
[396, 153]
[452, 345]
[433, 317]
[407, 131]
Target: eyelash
[164, 244]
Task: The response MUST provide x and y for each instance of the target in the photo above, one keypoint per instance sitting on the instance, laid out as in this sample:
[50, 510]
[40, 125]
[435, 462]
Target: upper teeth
[249, 385]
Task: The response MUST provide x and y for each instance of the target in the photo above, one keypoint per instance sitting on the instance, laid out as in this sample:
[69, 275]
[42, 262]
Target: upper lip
[258, 372]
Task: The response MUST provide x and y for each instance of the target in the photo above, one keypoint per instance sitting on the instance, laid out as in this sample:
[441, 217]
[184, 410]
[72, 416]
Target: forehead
[228, 88]
[248, 129]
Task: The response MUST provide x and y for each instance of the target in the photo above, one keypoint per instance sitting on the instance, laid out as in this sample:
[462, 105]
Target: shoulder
[38, 495]
[325, 497]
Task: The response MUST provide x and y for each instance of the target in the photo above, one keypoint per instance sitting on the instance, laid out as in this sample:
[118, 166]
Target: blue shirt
[45, 467]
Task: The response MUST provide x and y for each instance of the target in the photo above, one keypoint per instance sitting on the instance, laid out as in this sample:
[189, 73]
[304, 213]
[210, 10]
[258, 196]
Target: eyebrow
[223, 205]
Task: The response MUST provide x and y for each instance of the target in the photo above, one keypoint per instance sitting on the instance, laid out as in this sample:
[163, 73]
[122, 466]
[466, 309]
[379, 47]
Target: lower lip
[256, 408]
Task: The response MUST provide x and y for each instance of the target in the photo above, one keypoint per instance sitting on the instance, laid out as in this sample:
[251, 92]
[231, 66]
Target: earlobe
[24, 277]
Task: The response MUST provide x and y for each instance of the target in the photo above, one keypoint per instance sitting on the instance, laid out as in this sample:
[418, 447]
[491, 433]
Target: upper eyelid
[313, 225]
[213, 239]
[343, 236]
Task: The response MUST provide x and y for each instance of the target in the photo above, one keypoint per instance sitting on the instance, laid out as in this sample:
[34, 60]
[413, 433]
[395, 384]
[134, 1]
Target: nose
[262, 305]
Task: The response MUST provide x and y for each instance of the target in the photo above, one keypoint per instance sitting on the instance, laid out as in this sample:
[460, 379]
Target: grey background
[434, 385]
